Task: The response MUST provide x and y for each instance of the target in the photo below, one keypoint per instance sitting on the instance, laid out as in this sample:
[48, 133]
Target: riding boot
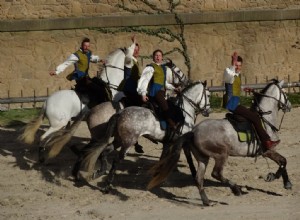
[268, 145]
[171, 124]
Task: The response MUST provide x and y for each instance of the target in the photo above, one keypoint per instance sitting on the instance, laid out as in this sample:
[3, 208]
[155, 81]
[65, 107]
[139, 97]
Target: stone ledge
[147, 20]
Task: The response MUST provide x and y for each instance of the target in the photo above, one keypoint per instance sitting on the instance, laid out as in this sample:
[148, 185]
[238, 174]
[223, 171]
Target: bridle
[196, 106]
[112, 86]
[115, 87]
[177, 75]
[284, 106]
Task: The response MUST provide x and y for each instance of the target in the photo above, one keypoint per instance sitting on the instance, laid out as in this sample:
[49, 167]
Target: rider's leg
[163, 104]
[255, 120]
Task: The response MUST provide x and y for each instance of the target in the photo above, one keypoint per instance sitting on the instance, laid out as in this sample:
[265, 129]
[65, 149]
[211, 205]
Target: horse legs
[199, 179]
[217, 173]
[188, 155]
[104, 164]
[117, 159]
[281, 161]
[45, 138]
[138, 148]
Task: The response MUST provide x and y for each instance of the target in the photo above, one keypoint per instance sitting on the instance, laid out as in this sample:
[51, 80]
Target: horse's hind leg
[217, 173]
[281, 161]
[199, 179]
[45, 138]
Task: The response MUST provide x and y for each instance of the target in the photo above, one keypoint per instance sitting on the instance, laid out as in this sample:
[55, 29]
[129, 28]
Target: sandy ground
[29, 190]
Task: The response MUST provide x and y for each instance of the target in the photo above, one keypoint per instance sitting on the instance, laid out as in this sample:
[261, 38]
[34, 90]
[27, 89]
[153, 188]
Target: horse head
[273, 95]
[178, 77]
[198, 96]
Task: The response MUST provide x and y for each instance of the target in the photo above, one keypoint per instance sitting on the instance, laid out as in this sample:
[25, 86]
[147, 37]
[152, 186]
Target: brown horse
[203, 143]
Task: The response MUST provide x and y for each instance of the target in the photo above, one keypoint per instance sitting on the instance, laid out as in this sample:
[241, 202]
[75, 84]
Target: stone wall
[41, 9]
[269, 48]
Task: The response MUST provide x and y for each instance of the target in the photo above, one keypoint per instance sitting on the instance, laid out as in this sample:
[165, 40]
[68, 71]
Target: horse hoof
[236, 190]
[98, 174]
[270, 177]
[139, 149]
[288, 185]
[106, 189]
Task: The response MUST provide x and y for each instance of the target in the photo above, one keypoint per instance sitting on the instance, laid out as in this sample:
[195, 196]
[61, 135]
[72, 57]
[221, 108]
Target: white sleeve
[169, 80]
[95, 58]
[70, 60]
[144, 80]
[229, 74]
[129, 56]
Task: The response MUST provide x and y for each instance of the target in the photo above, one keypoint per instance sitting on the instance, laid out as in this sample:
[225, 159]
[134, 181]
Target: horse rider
[132, 74]
[81, 60]
[154, 76]
[232, 79]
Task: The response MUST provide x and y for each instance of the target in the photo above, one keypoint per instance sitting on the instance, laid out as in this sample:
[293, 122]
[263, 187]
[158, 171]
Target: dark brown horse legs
[281, 161]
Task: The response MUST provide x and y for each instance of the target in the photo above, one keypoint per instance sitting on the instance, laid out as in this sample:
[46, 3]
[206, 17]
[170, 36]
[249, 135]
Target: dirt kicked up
[29, 190]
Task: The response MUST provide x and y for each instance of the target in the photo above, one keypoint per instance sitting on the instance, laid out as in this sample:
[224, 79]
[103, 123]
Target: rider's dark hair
[84, 41]
[154, 52]
[240, 59]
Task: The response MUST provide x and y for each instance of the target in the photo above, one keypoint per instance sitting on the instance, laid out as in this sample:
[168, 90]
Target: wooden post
[8, 97]
[289, 89]
[21, 97]
[34, 99]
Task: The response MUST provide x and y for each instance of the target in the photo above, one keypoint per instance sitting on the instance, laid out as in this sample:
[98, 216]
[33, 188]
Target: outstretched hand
[234, 58]
[133, 38]
[52, 73]
[247, 89]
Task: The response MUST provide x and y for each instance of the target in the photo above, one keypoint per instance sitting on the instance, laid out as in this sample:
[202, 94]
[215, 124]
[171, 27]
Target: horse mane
[258, 97]
[192, 84]
[112, 55]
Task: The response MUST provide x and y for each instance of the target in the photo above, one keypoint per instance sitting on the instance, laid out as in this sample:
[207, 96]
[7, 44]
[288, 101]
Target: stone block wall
[269, 48]
[42, 9]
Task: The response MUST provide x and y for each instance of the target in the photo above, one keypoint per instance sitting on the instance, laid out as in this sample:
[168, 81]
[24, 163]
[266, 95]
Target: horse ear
[281, 83]
[205, 83]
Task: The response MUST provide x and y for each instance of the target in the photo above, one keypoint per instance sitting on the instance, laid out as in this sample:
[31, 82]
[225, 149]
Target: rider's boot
[269, 144]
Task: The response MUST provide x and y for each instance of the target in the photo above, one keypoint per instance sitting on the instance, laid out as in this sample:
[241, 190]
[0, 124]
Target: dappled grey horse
[98, 117]
[126, 127]
[203, 142]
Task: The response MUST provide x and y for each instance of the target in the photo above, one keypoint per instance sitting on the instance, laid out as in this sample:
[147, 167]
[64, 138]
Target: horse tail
[59, 139]
[85, 166]
[31, 128]
[163, 168]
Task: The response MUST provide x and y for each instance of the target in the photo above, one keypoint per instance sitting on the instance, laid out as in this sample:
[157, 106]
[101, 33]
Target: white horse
[63, 105]
[98, 117]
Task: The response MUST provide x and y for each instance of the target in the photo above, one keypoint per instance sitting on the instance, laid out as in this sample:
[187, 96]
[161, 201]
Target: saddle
[243, 127]
[174, 111]
[89, 97]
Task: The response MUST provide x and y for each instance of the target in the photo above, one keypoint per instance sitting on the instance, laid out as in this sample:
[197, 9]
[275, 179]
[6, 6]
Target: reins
[194, 105]
[108, 82]
[281, 105]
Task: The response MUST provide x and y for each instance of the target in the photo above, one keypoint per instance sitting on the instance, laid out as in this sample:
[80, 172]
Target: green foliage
[294, 99]
[17, 116]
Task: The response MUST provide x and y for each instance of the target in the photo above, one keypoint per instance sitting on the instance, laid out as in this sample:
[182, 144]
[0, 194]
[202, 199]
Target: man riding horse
[232, 79]
[84, 84]
[154, 76]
